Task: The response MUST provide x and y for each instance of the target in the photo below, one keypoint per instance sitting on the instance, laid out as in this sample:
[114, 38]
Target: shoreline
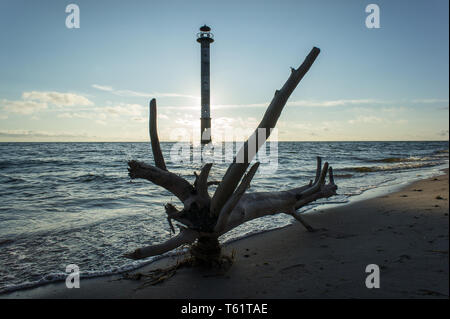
[251, 259]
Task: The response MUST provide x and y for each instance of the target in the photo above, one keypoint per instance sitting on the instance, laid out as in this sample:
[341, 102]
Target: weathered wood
[186, 236]
[153, 131]
[170, 181]
[236, 170]
[202, 181]
[208, 218]
[258, 204]
[319, 167]
[175, 214]
[302, 221]
[234, 199]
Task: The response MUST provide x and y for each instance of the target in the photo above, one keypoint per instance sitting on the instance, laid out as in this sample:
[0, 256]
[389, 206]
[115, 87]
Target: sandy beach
[405, 233]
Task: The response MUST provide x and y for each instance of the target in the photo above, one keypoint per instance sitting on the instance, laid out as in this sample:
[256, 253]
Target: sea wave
[4, 242]
[10, 179]
[401, 159]
[61, 276]
[343, 175]
[387, 168]
[86, 178]
[36, 162]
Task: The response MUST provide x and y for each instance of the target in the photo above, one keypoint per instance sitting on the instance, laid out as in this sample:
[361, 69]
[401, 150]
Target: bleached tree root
[186, 236]
[204, 218]
[250, 206]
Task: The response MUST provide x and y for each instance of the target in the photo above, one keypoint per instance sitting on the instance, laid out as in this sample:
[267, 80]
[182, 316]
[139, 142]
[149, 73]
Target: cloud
[132, 93]
[102, 87]
[316, 104]
[23, 107]
[30, 133]
[57, 98]
[140, 119]
[232, 106]
[72, 115]
[35, 101]
[328, 103]
[101, 114]
[366, 120]
[444, 133]
[429, 101]
[393, 110]
[181, 107]
[332, 103]
[185, 122]
[123, 110]
[297, 103]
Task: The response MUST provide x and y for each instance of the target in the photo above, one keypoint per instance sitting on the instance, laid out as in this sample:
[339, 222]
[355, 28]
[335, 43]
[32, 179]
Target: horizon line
[284, 141]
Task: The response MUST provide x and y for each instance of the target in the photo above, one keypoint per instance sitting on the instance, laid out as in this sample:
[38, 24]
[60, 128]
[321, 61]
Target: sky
[94, 83]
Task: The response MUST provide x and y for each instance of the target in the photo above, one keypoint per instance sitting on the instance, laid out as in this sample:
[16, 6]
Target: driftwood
[205, 218]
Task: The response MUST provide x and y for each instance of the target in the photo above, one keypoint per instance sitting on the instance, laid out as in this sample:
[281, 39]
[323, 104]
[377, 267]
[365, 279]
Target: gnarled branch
[230, 205]
[170, 181]
[234, 199]
[159, 175]
[153, 131]
[201, 182]
[255, 205]
[186, 236]
[236, 170]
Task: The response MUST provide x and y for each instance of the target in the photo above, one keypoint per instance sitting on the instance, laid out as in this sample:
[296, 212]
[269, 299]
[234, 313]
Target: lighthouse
[205, 37]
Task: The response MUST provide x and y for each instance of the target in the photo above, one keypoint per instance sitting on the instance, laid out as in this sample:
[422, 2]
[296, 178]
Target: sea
[73, 203]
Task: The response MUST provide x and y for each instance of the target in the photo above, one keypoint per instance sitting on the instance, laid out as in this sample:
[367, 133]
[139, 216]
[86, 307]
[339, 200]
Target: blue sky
[94, 83]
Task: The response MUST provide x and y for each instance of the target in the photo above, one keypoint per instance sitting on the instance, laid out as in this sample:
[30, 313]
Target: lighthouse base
[205, 130]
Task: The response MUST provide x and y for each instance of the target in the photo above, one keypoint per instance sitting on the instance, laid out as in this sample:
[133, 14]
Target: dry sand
[406, 233]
